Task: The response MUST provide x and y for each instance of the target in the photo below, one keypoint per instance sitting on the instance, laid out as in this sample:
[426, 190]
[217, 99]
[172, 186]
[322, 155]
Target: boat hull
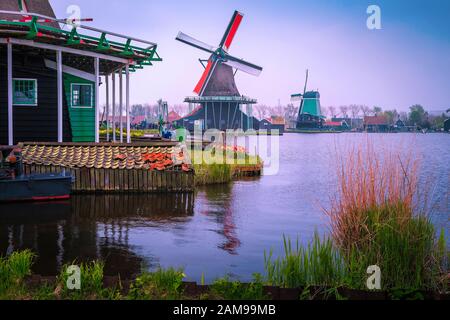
[36, 188]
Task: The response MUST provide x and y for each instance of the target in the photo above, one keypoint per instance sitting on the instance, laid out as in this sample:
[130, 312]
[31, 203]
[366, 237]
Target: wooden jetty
[112, 167]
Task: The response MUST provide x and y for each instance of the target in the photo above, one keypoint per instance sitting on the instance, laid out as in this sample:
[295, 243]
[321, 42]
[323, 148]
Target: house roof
[376, 120]
[173, 116]
[278, 121]
[36, 37]
[138, 119]
[103, 156]
[333, 124]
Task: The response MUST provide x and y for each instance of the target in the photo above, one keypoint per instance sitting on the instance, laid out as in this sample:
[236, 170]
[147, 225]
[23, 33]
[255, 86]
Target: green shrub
[235, 290]
[160, 285]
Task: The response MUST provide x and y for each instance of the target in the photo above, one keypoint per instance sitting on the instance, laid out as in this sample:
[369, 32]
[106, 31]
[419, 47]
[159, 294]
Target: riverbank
[211, 168]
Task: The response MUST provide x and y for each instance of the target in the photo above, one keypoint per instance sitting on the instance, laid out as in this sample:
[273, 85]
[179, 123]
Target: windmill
[217, 92]
[309, 113]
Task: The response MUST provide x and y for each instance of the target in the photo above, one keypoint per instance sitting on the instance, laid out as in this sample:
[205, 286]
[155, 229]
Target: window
[82, 95]
[25, 92]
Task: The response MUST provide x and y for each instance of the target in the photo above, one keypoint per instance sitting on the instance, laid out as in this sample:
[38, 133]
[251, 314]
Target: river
[220, 230]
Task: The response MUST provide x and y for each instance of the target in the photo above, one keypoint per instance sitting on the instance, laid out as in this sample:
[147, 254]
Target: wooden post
[10, 95]
[59, 74]
[97, 107]
[121, 104]
[127, 97]
[107, 107]
[114, 106]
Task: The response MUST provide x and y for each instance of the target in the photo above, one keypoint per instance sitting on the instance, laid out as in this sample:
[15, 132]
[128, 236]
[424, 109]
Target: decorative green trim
[74, 37]
[141, 56]
[33, 29]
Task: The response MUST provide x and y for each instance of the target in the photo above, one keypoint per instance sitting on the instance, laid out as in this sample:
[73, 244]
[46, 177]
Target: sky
[406, 62]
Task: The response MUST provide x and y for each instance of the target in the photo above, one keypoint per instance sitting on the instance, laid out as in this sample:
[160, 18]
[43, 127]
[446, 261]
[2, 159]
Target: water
[220, 230]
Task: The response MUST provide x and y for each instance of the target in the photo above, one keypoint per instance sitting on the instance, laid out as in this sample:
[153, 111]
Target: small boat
[16, 186]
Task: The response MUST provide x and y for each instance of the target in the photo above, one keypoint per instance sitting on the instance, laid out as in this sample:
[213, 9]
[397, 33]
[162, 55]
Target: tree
[377, 110]
[344, 111]
[332, 111]
[366, 111]
[137, 110]
[355, 110]
[417, 115]
[391, 115]
[262, 111]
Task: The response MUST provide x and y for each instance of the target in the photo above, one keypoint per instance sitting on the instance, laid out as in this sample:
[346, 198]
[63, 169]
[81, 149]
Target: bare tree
[355, 110]
[366, 110]
[344, 111]
[180, 109]
[332, 111]
[262, 111]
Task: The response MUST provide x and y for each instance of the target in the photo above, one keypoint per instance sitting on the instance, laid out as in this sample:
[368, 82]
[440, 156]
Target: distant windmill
[219, 97]
[309, 114]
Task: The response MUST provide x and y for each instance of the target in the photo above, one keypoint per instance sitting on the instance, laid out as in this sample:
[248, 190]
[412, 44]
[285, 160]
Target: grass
[159, 285]
[91, 283]
[220, 167]
[224, 289]
[317, 264]
[134, 132]
[13, 270]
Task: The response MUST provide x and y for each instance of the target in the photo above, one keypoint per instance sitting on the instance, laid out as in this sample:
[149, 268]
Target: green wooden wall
[82, 120]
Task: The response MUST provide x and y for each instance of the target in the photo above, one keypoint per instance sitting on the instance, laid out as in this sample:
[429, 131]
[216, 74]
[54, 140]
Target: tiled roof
[333, 124]
[376, 120]
[104, 156]
[173, 116]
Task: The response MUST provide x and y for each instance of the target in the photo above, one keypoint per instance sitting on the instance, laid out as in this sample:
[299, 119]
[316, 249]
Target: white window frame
[92, 95]
[35, 104]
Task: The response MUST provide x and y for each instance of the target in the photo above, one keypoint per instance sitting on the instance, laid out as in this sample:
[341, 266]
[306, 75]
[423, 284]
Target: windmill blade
[205, 76]
[306, 81]
[296, 97]
[194, 42]
[243, 65]
[231, 30]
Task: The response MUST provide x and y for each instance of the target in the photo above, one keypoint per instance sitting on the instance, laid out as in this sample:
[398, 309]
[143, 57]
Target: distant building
[173, 116]
[138, 121]
[447, 125]
[353, 123]
[273, 123]
[376, 124]
[336, 125]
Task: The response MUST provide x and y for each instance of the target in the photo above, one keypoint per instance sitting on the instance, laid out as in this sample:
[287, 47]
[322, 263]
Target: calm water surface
[220, 230]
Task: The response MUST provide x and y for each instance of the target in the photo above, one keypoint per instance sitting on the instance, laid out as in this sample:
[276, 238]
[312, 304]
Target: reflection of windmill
[309, 114]
[218, 95]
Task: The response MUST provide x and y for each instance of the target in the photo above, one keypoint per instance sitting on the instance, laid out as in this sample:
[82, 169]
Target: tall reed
[376, 218]
[318, 264]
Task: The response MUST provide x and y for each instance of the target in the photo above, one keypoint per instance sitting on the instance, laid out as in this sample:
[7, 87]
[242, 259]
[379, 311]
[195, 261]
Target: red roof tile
[376, 120]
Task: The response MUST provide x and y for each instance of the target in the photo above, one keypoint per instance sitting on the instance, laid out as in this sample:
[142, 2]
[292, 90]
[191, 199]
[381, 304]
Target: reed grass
[317, 264]
[376, 219]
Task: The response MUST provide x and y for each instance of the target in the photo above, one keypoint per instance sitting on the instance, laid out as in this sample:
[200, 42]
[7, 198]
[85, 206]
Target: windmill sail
[219, 69]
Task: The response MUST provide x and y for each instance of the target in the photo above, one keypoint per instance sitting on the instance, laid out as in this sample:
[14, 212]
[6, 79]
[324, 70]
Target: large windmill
[219, 99]
[309, 113]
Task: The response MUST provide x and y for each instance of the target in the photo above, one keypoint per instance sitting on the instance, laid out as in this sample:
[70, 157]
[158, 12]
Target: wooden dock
[111, 168]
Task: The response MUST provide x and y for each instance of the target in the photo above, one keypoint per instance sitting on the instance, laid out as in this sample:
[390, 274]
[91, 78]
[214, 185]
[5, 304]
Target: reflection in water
[86, 228]
[224, 216]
